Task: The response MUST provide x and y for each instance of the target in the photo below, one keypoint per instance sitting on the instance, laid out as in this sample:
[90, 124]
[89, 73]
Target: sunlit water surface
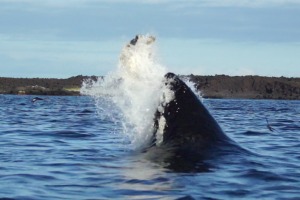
[60, 148]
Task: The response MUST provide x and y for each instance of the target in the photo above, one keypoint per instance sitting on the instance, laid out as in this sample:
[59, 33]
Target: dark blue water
[60, 149]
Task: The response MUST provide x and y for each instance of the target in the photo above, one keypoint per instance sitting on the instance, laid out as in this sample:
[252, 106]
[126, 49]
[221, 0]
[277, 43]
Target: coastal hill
[247, 87]
[42, 86]
[218, 86]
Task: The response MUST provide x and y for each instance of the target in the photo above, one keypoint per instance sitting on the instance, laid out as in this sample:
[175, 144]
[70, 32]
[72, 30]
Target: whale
[181, 120]
[184, 128]
[184, 133]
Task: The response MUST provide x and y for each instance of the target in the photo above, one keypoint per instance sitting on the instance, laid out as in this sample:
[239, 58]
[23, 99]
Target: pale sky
[63, 38]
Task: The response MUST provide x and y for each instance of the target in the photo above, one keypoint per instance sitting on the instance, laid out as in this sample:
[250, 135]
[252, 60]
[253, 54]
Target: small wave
[34, 145]
[148, 182]
[84, 112]
[265, 175]
[282, 188]
[275, 109]
[71, 134]
[238, 192]
[254, 133]
[187, 197]
[291, 128]
[84, 150]
[29, 176]
[87, 111]
[285, 120]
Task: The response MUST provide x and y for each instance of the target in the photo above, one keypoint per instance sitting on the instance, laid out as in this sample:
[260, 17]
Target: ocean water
[63, 148]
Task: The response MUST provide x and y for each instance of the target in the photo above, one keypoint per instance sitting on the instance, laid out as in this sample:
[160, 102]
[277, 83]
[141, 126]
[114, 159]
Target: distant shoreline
[218, 86]
[247, 87]
[42, 86]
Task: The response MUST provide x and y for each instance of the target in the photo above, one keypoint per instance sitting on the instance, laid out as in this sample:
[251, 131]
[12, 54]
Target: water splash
[192, 86]
[131, 94]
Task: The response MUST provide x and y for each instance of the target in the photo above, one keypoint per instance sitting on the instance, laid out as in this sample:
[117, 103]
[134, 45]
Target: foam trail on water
[130, 95]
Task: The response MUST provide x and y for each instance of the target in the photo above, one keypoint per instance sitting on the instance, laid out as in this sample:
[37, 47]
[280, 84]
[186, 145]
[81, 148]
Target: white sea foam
[167, 95]
[160, 130]
[131, 94]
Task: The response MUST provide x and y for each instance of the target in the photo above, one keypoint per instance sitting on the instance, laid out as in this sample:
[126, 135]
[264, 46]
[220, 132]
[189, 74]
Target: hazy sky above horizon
[63, 38]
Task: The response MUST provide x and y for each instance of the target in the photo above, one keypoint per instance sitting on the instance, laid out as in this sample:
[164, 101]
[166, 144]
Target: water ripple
[61, 148]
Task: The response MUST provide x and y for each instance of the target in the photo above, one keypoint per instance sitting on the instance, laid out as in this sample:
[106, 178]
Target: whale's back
[188, 124]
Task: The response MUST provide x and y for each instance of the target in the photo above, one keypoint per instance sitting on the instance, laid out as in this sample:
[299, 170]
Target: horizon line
[80, 75]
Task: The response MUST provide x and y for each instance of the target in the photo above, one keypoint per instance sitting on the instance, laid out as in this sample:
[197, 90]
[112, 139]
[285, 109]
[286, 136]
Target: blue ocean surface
[59, 148]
